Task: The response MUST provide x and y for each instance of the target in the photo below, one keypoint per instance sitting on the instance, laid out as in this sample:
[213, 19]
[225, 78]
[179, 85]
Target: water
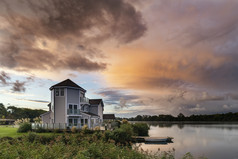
[214, 141]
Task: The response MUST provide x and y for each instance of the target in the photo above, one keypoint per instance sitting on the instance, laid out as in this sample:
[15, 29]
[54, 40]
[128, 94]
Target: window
[73, 109]
[70, 122]
[56, 92]
[82, 122]
[86, 121]
[75, 122]
[62, 91]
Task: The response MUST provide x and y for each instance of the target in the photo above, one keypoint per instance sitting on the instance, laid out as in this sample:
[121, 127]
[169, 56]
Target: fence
[57, 126]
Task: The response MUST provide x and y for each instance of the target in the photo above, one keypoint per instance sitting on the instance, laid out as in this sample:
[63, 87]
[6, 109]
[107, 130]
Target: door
[73, 122]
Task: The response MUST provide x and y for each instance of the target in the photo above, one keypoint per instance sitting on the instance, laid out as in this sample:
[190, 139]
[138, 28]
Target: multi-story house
[69, 106]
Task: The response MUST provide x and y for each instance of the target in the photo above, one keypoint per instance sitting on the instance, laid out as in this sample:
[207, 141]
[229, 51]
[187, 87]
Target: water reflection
[217, 141]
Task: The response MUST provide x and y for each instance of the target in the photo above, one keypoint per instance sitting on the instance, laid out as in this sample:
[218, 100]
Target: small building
[7, 121]
[109, 117]
[70, 107]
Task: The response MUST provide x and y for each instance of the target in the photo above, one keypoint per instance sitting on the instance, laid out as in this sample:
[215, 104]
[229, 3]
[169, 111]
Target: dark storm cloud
[71, 23]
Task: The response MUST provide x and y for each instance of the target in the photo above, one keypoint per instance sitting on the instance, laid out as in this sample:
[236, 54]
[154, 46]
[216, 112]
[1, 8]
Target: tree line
[214, 117]
[12, 112]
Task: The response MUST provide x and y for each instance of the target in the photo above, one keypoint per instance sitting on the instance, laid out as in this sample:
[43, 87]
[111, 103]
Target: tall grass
[66, 146]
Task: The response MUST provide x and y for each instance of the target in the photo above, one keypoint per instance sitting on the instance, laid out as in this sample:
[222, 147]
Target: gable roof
[67, 83]
[95, 102]
[45, 113]
[109, 116]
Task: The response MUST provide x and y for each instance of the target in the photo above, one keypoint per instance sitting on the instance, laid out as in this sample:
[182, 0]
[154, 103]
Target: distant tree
[19, 113]
[138, 118]
[3, 111]
[181, 117]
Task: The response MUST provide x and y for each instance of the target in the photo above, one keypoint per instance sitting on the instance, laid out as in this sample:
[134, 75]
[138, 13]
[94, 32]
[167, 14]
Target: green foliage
[141, 129]
[86, 130]
[66, 146]
[24, 127]
[124, 121]
[3, 111]
[122, 135]
[19, 113]
[40, 130]
[214, 117]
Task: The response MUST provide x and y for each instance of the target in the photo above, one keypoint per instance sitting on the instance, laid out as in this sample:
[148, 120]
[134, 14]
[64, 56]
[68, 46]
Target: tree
[181, 117]
[3, 111]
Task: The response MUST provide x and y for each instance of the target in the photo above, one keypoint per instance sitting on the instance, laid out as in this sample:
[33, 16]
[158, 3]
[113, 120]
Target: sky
[141, 57]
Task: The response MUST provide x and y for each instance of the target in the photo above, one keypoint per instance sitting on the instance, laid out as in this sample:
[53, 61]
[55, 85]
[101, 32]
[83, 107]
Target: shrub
[73, 129]
[21, 121]
[85, 130]
[40, 130]
[57, 131]
[31, 137]
[124, 121]
[122, 135]
[24, 127]
[141, 129]
[97, 128]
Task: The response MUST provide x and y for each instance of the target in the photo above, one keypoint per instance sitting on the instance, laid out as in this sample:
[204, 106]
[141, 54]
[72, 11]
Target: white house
[69, 106]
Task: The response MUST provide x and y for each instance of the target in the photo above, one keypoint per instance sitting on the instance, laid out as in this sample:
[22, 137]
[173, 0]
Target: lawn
[11, 131]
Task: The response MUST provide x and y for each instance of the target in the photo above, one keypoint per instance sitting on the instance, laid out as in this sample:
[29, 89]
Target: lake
[214, 141]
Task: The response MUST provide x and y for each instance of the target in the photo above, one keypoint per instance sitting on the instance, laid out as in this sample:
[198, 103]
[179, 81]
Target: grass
[10, 131]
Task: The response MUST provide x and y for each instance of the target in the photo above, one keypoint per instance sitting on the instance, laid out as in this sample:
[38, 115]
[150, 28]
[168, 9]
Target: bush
[73, 129]
[97, 128]
[57, 131]
[40, 130]
[85, 130]
[24, 127]
[31, 137]
[141, 129]
[122, 135]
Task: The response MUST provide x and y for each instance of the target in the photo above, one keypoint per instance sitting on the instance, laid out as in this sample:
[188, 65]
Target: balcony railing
[73, 111]
[84, 100]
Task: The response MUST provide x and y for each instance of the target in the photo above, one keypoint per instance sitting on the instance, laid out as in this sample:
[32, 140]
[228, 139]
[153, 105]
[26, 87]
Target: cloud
[119, 98]
[35, 100]
[4, 77]
[197, 108]
[18, 86]
[57, 34]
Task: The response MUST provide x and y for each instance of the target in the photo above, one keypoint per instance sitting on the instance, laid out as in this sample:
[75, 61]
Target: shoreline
[186, 122]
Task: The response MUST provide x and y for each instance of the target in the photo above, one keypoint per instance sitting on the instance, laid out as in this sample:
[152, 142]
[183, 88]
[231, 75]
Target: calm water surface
[214, 141]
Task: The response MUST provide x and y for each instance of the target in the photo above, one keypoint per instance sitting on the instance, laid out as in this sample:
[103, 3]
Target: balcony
[84, 100]
[73, 111]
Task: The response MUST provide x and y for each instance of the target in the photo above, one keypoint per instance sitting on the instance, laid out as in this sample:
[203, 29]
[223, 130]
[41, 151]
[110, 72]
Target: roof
[95, 102]
[45, 113]
[67, 83]
[7, 119]
[109, 116]
[90, 113]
